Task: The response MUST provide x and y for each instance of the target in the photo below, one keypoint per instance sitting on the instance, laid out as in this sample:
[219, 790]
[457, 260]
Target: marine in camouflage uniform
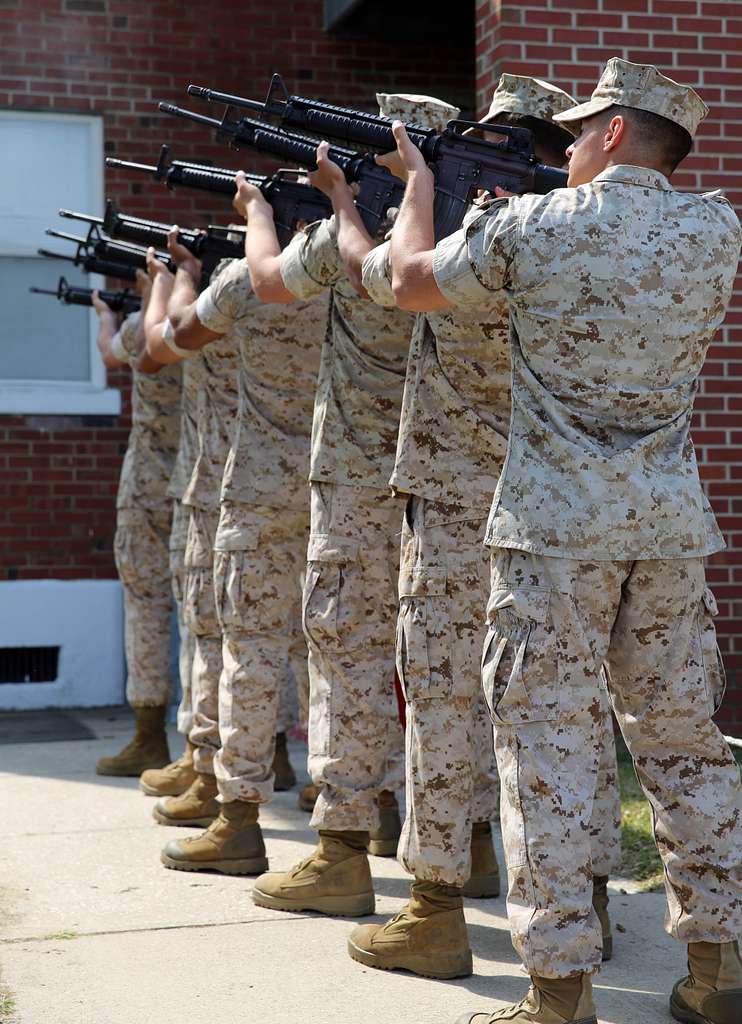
[175, 778]
[350, 594]
[215, 370]
[452, 442]
[141, 550]
[599, 527]
[452, 438]
[260, 546]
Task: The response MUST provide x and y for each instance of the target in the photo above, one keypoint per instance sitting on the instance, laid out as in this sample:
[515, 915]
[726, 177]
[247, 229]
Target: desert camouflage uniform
[184, 462]
[263, 529]
[452, 442]
[215, 418]
[599, 526]
[143, 514]
[350, 593]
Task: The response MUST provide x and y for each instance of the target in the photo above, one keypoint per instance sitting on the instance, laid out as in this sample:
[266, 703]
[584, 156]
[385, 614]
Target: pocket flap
[522, 603]
[710, 601]
[425, 581]
[331, 547]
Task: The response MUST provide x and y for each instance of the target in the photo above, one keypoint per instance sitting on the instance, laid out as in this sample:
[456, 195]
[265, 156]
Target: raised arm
[155, 315]
[188, 333]
[107, 331]
[354, 241]
[413, 237]
[262, 248]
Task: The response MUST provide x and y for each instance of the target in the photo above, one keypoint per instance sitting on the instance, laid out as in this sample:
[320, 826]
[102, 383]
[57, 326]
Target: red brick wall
[58, 475]
[699, 42]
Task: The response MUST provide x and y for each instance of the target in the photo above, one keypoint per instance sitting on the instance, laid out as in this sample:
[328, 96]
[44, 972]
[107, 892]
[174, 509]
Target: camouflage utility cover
[413, 109]
[155, 429]
[644, 87]
[359, 391]
[279, 349]
[520, 94]
[616, 289]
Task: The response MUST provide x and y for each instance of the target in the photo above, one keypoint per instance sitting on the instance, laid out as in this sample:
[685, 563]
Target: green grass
[7, 1006]
[639, 858]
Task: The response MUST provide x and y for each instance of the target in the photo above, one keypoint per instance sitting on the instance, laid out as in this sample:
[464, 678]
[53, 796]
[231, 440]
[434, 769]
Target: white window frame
[58, 397]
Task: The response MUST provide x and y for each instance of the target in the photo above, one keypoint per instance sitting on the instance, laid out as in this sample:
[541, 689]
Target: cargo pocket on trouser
[330, 607]
[713, 666]
[520, 662]
[424, 653]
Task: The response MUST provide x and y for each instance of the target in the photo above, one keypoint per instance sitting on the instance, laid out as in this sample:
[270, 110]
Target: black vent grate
[29, 664]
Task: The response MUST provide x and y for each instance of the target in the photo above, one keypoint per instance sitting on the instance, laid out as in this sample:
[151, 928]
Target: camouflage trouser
[178, 535]
[451, 772]
[350, 608]
[258, 571]
[141, 552]
[199, 613]
[553, 623]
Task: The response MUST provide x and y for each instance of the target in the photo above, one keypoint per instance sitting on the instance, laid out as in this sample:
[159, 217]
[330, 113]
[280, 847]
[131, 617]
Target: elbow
[270, 291]
[405, 293]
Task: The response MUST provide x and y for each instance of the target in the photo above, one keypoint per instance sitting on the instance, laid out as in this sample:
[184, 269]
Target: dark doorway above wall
[426, 19]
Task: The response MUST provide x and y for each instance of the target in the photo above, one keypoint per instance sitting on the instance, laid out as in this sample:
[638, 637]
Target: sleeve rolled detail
[168, 336]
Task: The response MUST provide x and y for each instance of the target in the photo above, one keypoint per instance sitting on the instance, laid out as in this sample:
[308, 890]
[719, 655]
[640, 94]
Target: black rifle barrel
[224, 97]
[42, 291]
[77, 239]
[86, 217]
[189, 115]
[56, 255]
[129, 165]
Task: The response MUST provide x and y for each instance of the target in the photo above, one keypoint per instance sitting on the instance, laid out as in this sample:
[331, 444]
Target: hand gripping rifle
[120, 302]
[95, 244]
[209, 246]
[292, 200]
[377, 188]
[93, 264]
[462, 164]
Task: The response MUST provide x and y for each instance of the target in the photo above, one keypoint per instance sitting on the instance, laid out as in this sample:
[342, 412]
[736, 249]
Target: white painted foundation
[85, 619]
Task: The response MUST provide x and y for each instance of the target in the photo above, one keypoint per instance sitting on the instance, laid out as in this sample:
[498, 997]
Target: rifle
[292, 200]
[93, 264]
[210, 246]
[124, 301]
[463, 165]
[106, 248]
[378, 188]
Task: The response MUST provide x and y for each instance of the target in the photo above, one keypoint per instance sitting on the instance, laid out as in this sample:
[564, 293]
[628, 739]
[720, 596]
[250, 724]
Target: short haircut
[549, 137]
[666, 139]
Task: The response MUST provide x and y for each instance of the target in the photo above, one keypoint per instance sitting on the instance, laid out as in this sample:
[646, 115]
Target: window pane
[47, 163]
[41, 339]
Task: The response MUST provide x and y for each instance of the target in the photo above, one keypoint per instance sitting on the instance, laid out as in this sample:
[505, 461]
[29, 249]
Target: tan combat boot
[335, 879]
[485, 874]
[428, 937]
[712, 992]
[600, 906]
[549, 1001]
[148, 749]
[197, 806]
[283, 774]
[173, 779]
[308, 797]
[383, 841]
[232, 844]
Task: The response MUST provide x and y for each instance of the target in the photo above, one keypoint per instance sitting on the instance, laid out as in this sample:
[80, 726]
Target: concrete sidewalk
[96, 931]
